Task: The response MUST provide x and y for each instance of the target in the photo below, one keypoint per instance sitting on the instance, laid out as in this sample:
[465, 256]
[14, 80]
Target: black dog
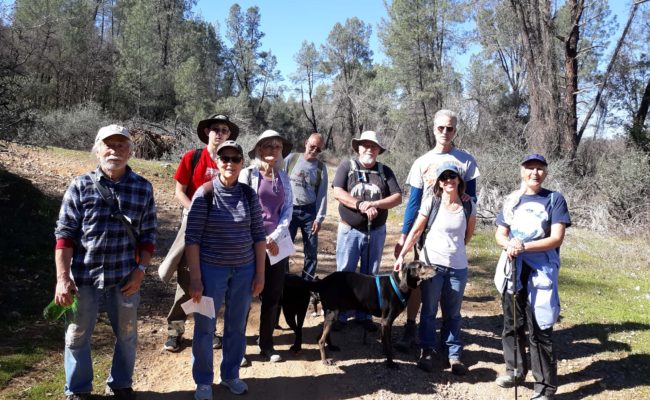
[296, 298]
[343, 291]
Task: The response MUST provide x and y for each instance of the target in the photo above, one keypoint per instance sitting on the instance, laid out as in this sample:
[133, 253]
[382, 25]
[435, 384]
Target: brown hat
[200, 129]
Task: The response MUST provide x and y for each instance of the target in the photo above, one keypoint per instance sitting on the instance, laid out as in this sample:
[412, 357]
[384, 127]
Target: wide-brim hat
[271, 134]
[534, 157]
[200, 129]
[111, 130]
[230, 144]
[447, 166]
[371, 136]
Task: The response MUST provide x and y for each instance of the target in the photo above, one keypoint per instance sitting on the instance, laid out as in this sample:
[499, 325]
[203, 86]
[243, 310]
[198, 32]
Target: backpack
[196, 156]
[292, 164]
[356, 174]
[435, 206]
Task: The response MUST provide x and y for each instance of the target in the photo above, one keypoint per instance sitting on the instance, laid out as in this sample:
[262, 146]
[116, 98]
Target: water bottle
[54, 311]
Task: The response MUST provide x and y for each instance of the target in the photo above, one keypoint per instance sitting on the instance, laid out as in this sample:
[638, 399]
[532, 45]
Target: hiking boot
[217, 342]
[508, 381]
[408, 339]
[457, 367]
[368, 325]
[173, 343]
[203, 392]
[236, 386]
[427, 361]
[120, 394]
[78, 396]
[271, 355]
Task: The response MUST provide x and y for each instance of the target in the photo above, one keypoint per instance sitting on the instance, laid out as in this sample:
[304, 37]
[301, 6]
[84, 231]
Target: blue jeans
[122, 314]
[303, 217]
[234, 285]
[351, 246]
[446, 287]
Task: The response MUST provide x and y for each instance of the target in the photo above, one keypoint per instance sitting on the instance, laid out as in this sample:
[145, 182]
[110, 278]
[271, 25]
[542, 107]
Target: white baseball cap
[111, 130]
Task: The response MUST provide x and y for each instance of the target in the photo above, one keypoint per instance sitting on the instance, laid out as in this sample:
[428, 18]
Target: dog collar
[395, 288]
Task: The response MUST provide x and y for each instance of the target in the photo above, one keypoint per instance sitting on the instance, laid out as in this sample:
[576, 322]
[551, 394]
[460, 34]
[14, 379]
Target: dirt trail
[359, 371]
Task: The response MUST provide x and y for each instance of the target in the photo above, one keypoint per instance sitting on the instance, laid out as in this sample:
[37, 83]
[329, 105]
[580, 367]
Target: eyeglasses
[314, 148]
[271, 146]
[224, 131]
[445, 128]
[448, 175]
[232, 159]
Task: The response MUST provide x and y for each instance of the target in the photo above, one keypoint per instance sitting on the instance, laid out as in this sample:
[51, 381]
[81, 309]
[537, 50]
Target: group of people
[232, 246]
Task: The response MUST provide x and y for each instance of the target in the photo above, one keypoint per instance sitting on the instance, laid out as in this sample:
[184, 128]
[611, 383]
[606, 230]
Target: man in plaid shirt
[104, 242]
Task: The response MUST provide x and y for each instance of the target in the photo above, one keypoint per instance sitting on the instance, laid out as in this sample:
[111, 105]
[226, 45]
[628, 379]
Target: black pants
[540, 342]
[271, 296]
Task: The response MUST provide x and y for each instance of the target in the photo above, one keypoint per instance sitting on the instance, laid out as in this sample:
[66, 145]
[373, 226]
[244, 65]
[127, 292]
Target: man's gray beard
[366, 159]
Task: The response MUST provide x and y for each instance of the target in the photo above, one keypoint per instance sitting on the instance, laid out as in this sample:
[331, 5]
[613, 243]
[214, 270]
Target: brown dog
[343, 291]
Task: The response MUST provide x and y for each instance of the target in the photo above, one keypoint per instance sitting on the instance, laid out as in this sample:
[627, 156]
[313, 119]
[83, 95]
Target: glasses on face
[220, 130]
[445, 128]
[314, 148]
[370, 145]
[232, 159]
[271, 146]
[448, 175]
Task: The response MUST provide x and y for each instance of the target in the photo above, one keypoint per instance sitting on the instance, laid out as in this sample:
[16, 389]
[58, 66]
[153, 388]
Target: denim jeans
[303, 217]
[351, 246]
[234, 285]
[447, 287]
[122, 314]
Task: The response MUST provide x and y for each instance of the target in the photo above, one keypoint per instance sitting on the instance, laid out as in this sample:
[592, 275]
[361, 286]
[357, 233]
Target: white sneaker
[203, 392]
[236, 386]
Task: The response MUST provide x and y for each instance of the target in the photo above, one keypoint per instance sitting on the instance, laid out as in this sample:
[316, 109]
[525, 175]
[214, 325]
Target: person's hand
[398, 263]
[399, 245]
[272, 247]
[515, 248]
[132, 285]
[465, 198]
[64, 292]
[196, 289]
[315, 227]
[372, 213]
[258, 284]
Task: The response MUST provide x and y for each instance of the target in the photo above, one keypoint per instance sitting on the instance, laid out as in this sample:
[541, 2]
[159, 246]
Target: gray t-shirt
[304, 177]
[445, 242]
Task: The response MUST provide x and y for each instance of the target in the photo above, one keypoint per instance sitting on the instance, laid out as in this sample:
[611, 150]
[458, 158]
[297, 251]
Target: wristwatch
[142, 268]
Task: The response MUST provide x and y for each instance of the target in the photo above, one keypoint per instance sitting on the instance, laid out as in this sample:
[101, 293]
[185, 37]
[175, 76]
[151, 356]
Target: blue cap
[534, 157]
[446, 166]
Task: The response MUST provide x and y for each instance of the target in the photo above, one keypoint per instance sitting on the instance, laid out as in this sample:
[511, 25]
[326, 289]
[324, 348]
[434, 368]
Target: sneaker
[173, 343]
[244, 362]
[539, 396]
[203, 392]
[457, 367]
[271, 355]
[78, 396]
[508, 381]
[408, 339]
[427, 360]
[236, 386]
[368, 325]
[217, 342]
[120, 394]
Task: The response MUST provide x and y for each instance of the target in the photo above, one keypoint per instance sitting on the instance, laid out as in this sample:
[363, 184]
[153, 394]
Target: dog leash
[395, 289]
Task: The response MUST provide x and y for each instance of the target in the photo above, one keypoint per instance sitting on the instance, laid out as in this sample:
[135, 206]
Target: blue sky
[286, 23]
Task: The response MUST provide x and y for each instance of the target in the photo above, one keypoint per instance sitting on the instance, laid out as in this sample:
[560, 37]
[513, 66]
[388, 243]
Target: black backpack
[435, 206]
[196, 156]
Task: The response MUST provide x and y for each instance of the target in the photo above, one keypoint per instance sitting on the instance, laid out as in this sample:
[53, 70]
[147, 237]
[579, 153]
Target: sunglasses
[314, 148]
[448, 175]
[232, 159]
[445, 128]
[220, 130]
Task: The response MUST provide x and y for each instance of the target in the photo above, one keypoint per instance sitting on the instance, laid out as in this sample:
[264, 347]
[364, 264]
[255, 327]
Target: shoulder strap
[467, 207]
[107, 196]
[435, 206]
[293, 160]
[196, 156]
[208, 195]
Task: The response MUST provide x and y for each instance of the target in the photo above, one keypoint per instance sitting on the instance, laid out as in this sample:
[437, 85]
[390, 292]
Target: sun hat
[200, 129]
[371, 136]
[534, 157]
[271, 134]
[230, 144]
[111, 130]
[447, 166]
